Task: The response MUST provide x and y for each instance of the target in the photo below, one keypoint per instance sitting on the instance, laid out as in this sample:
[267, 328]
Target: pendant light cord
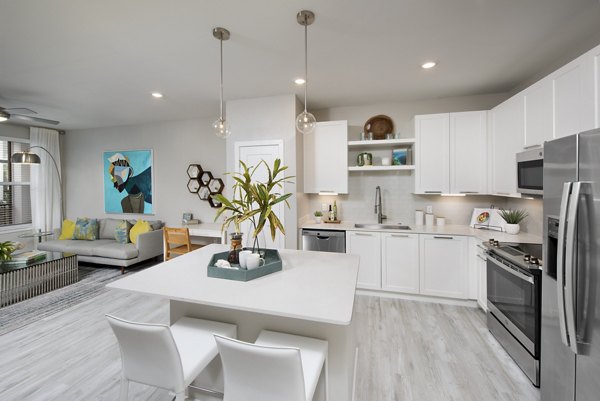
[305, 59]
[221, 41]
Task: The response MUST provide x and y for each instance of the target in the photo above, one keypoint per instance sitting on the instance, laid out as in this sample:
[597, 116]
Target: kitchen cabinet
[481, 262]
[400, 262]
[451, 153]
[326, 158]
[595, 56]
[538, 113]
[444, 265]
[367, 245]
[507, 139]
[574, 97]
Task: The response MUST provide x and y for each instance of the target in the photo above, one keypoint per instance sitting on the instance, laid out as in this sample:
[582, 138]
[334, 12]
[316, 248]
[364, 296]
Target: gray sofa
[107, 251]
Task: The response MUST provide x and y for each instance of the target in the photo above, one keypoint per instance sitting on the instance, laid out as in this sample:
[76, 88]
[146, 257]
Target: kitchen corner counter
[456, 229]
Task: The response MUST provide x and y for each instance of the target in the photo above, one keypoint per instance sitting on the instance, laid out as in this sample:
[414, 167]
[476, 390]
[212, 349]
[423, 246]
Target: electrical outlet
[429, 209]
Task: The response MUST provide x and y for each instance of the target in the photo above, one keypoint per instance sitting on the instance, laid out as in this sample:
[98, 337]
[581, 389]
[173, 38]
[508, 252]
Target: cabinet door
[468, 152]
[482, 279]
[444, 266]
[326, 158]
[432, 154]
[538, 113]
[596, 62]
[507, 140]
[400, 262]
[366, 245]
[574, 97]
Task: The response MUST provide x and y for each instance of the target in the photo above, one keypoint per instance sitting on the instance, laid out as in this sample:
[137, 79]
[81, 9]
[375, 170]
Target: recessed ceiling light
[157, 95]
[299, 81]
[428, 65]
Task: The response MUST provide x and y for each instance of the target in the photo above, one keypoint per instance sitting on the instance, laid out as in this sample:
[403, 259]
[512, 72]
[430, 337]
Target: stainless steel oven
[514, 303]
[530, 172]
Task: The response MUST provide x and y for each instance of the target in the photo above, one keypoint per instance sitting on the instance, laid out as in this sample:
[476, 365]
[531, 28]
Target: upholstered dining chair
[177, 242]
[168, 357]
[276, 367]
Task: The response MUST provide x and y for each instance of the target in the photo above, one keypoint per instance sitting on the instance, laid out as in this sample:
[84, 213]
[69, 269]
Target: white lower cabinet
[482, 281]
[367, 245]
[400, 262]
[444, 268]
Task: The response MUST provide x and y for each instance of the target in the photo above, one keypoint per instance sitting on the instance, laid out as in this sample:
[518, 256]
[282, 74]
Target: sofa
[106, 250]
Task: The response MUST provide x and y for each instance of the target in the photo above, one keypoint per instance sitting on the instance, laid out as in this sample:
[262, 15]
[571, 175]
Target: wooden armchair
[177, 242]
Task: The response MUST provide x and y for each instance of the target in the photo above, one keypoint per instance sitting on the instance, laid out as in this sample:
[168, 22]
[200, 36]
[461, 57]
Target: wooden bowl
[379, 126]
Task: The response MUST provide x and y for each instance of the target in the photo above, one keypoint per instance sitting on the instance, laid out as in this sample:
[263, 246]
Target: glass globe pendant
[220, 126]
[305, 121]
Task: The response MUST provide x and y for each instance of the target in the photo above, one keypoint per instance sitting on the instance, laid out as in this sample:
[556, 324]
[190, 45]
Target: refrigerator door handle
[560, 262]
[571, 265]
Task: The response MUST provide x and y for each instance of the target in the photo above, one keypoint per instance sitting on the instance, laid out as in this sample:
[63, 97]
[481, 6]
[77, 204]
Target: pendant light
[220, 126]
[305, 122]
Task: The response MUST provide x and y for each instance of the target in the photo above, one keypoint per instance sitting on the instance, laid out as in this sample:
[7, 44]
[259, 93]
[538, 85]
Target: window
[15, 199]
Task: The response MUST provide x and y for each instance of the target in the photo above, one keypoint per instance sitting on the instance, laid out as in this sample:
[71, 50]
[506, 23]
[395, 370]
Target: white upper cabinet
[538, 113]
[451, 153]
[432, 154]
[507, 139]
[595, 56]
[468, 152]
[326, 158]
[574, 101]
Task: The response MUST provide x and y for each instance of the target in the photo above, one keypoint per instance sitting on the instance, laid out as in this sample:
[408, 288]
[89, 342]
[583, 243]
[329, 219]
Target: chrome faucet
[378, 208]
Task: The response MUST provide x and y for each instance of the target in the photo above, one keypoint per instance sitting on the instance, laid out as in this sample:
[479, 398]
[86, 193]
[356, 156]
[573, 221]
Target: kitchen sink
[374, 226]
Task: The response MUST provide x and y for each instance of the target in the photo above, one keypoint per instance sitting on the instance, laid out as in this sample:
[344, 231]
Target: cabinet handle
[438, 237]
[399, 236]
[364, 234]
[468, 192]
[503, 193]
[482, 258]
[481, 247]
[433, 192]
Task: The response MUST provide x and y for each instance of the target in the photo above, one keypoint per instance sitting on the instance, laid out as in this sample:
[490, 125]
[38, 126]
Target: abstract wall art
[128, 182]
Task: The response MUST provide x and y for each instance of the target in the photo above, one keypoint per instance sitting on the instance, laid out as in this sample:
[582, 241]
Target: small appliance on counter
[514, 302]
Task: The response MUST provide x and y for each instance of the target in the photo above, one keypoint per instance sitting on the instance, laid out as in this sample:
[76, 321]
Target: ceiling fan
[20, 113]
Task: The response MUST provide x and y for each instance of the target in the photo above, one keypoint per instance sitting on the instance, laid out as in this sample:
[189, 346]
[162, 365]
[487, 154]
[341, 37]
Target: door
[444, 266]
[366, 245]
[588, 283]
[432, 159]
[400, 262]
[557, 361]
[468, 152]
[326, 158]
[251, 153]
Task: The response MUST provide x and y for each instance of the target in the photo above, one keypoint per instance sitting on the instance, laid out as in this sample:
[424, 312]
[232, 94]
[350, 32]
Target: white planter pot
[513, 228]
[318, 220]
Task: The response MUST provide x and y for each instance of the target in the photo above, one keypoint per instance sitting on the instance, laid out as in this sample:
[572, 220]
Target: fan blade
[34, 119]
[21, 110]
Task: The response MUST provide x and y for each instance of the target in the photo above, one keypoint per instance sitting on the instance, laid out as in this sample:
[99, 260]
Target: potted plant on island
[318, 217]
[254, 201]
[512, 219]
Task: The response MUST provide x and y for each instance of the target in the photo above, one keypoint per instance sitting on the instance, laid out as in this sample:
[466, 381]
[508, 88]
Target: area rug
[92, 282]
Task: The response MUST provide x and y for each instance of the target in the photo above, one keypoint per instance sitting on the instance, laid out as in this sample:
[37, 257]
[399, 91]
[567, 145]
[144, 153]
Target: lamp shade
[25, 158]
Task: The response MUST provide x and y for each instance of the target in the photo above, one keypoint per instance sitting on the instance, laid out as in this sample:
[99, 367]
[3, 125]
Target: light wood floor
[408, 351]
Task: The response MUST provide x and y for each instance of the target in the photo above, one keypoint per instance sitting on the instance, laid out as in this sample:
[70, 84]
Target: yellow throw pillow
[140, 227]
[67, 230]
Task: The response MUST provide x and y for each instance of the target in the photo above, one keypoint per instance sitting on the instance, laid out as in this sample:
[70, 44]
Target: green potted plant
[318, 216]
[7, 248]
[254, 201]
[512, 219]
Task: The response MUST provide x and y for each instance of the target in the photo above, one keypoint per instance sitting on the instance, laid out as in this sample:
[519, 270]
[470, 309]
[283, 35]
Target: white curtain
[46, 191]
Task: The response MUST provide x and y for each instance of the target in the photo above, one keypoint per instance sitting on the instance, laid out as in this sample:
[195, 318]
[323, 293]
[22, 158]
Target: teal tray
[272, 264]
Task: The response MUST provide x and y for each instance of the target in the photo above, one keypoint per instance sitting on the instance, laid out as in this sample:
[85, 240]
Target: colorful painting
[128, 182]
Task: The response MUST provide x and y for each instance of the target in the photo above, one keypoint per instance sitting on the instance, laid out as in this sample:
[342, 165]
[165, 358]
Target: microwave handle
[560, 261]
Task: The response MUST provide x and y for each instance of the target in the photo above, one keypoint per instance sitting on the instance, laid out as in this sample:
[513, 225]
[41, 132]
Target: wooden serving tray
[333, 221]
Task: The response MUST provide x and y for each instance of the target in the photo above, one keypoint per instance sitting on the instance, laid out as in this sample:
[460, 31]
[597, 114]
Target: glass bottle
[235, 249]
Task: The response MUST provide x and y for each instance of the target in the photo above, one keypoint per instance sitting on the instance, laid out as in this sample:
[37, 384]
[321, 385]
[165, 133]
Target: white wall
[175, 144]
[263, 119]
[399, 203]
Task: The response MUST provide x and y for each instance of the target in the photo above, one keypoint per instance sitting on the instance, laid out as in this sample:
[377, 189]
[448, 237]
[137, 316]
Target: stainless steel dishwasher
[323, 240]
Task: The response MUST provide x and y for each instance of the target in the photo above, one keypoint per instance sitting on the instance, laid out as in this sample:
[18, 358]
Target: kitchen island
[312, 296]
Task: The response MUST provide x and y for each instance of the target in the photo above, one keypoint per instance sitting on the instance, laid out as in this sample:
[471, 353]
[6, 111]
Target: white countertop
[465, 230]
[315, 286]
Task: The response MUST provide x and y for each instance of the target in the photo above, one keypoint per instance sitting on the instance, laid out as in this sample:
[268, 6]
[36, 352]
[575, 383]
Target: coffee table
[27, 280]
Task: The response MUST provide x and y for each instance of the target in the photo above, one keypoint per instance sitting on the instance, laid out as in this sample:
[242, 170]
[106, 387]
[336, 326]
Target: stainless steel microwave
[530, 172]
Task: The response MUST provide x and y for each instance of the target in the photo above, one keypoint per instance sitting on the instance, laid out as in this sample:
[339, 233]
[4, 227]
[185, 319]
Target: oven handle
[560, 262]
[514, 272]
[571, 266]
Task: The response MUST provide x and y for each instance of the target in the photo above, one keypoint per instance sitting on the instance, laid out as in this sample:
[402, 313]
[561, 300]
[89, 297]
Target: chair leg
[124, 393]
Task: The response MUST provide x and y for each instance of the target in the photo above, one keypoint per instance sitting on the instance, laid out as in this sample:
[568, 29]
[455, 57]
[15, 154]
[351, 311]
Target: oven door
[514, 299]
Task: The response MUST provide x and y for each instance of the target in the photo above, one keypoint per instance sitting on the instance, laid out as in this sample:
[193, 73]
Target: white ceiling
[94, 63]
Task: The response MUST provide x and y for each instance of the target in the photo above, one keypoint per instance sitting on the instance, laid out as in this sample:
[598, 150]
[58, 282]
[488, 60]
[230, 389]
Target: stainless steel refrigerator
[570, 330]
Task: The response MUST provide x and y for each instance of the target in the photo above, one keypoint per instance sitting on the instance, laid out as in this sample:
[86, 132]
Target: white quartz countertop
[315, 286]
[465, 230]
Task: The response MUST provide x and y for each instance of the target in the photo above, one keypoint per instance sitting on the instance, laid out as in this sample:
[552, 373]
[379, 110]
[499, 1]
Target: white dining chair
[168, 357]
[276, 367]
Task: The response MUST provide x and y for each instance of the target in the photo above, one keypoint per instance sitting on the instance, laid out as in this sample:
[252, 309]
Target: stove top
[527, 256]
